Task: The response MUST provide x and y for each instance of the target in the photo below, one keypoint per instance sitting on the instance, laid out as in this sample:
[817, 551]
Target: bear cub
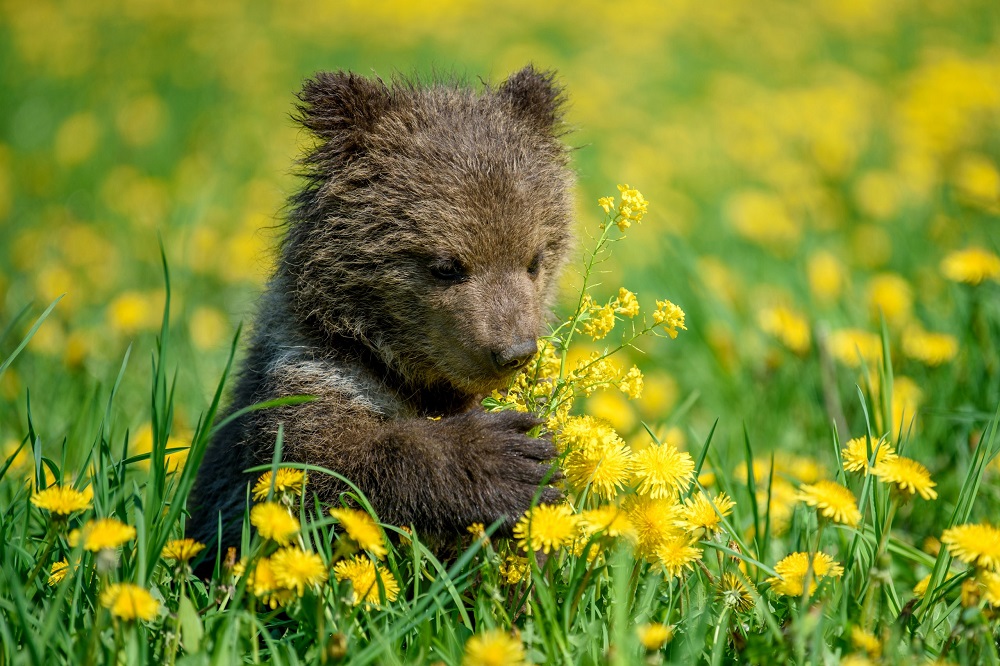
[419, 263]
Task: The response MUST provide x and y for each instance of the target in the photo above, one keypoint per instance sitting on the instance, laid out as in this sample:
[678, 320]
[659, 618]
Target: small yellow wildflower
[493, 648]
[58, 572]
[600, 321]
[607, 203]
[362, 530]
[63, 500]
[662, 471]
[850, 346]
[974, 543]
[364, 576]
[273, 521]
[296, 569]
[867, 641]
[792, 573]
[632, 383]
[102, 533]
[129, 602]
[832, 500]
[675, 554]
[972, 265]
[477, 530]
[181, 550]
[626, 303]
[931, 349]
[514, 569]
[891, 296]
[286, 480]
[788, 326]
[908, 475]
[855, 454]
[702, 515]
[654, 635]
[546, 527]
[670, 317]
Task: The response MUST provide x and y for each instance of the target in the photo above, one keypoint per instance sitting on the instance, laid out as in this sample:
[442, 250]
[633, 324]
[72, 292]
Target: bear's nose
[514, 356]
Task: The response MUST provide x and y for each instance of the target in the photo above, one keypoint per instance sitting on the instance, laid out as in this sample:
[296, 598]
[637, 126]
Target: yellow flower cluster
[670, 317]
[633, 207]
[278, 579]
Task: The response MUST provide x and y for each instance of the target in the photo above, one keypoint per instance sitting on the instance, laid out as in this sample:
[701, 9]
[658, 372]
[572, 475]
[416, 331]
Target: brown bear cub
[420, 259]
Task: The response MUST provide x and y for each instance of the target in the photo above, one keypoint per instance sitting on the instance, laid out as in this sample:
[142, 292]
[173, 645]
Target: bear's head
[434, 222]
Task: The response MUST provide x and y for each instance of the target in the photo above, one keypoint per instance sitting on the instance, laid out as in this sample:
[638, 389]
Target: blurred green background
[808, 164]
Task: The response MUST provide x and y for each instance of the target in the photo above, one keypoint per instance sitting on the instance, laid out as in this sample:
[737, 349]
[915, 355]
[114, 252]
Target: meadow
[774, 375]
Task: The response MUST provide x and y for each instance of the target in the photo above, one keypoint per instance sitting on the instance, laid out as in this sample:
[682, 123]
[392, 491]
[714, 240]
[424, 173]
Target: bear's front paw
[511, 467]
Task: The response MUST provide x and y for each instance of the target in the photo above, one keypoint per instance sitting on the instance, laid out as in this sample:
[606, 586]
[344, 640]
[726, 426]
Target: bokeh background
[809, 165]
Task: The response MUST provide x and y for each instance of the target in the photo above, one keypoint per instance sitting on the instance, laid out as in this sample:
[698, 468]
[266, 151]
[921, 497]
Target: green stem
[882, 543]
[43, 558]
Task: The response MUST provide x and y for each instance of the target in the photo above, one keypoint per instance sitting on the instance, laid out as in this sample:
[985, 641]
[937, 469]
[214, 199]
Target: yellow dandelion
[931, 349]
[63, 500]
[832, 501]
[733, 593]
[990, 581]
[703, 515]
[972, 265]
[58, 572]
[365, 576]
[296, 569]
[286, 480]
[102, 533]
[263, 584]
[670, 317]
[787, 326]
[362, 530]
[626, 303]
[493, 648]
[585, 432]
[909, 477]
[974, 543]
[855, 454]
[181, 550]
[654, 521]
[514, 569]
[608, 520]
[792, 572]
[130, 602]
[605, 469]
[850, 346]
[273, 521]
[546, 527]
[662, 471]
[867, 641]
[675, 554]
[891, 296]
[654, 635]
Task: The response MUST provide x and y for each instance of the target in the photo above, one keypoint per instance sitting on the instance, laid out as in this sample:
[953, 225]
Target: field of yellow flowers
[774, 377]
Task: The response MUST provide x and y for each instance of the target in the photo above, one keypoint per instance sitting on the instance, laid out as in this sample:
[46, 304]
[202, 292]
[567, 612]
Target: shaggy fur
[419, 262]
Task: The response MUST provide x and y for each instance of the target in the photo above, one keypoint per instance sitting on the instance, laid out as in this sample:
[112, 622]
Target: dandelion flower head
[274, 522]
[972, 265]
[362, 530]
[181, 550]
[662, 471]
[63, 500]
[855, 454]
[792, 573]
[909, 477]
[102, 533]
[287, 480]
[493, 648]
[654, 635]
[546, 527]
[296, 569]
[364, 576]
[130, 602]
[832, 501]
[974, 543]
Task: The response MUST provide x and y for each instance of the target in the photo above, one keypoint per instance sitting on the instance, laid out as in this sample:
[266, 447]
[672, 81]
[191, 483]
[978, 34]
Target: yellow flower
[286, 480]
[607, 203]
[654, 635]
[296, 569]
[364, 576]
[662, 471]
[931, 349]
[129, 602]
[477, 530]
[632, 384]
[654, 520]
[702, 515]
[608, 520]
[733, 592]
[600, 319]
[626, 303]
[788, 326]
[972, 265]
[675, 554]
[58, 572]
[851, 345]
[181, 550]
[670, 317]
[514, 569]
[274, 522]
[991, 582]
[892, 296]
[102, 533]
[546, 527]
[263, 584]
[974, 543]
[855, 454]
[867, 641]
[792, 573]
[362, 530]
[632, 208]
[493, 648]
[63, 500]
[605, 465]
[908, 475]
[832, 500]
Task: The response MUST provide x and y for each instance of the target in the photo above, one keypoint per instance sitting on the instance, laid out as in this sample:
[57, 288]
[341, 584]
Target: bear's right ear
[340, 107]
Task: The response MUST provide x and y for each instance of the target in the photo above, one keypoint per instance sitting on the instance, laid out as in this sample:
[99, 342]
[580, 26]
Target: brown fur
[420, 260]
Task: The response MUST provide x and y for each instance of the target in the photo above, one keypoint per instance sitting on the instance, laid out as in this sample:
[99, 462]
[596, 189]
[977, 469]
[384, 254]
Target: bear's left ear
[535, 97]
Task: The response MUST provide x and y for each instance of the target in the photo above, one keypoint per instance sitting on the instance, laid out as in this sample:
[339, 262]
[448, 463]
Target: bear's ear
[535, 97]
[341, 107]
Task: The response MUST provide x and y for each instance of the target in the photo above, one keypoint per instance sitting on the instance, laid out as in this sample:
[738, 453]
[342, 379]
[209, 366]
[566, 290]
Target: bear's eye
[535, 265]
[449, 270]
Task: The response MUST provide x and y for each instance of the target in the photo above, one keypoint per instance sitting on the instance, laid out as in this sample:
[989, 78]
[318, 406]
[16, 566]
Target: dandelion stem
[51, 534]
